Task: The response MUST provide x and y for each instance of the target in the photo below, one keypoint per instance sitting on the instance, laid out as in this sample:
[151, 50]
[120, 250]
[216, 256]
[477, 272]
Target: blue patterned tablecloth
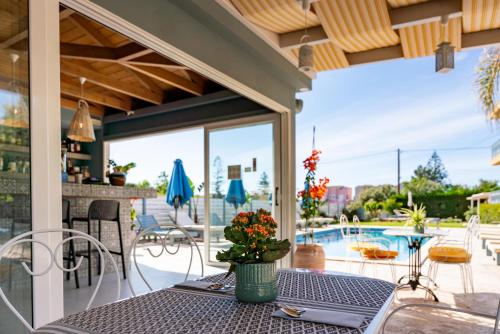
[176, 310]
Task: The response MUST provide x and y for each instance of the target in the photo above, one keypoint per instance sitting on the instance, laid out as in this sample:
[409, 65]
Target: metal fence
[221, 211]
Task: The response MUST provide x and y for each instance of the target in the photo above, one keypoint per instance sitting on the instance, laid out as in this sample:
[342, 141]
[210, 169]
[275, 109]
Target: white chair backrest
[55, 256]
[344, 224]
[171, 237]
[472, 226]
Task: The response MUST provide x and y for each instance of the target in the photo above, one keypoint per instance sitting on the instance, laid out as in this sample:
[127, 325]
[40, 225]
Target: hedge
[440, 206]
[489, 213]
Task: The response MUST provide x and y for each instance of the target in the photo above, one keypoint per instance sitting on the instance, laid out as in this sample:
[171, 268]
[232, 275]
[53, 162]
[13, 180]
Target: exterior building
[337, 198]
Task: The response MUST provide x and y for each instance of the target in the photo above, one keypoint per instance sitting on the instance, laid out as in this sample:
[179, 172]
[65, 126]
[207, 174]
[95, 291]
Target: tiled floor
[166, 272]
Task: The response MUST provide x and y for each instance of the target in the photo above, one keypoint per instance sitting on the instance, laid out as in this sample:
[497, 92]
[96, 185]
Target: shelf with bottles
[13, 164]
[16, 139]
[73, 150]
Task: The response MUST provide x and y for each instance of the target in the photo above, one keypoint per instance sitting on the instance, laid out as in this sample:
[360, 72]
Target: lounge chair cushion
[379, 254]
[449, 254]
[357, 246]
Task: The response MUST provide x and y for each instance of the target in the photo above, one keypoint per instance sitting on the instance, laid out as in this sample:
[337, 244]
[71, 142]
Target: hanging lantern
[445, 57]
[306, 58]
[81, 128]
[445, 52]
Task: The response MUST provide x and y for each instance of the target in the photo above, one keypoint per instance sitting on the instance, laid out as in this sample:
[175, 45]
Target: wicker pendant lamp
[81, 128]
[17, 114]
[305, 51]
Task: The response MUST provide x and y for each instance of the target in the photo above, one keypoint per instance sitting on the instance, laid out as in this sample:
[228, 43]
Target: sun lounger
[487, 236]
[493, 249]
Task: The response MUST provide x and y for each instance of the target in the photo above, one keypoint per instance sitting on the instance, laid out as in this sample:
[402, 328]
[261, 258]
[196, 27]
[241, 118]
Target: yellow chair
[378, 254]
[453, 254]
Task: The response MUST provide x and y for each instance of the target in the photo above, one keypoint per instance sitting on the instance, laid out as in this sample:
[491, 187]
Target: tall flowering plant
[311, 196]
[253, 236]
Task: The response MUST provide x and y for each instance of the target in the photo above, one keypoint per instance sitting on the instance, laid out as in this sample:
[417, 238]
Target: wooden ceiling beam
[107, 54]
[87, 27]
[375, 55]
[108, 101]
[424, 12]
[95, 110]
[130, 51]
[154, 59]
[290, 40]
[168, 78]
[481, 38]
[76, 70]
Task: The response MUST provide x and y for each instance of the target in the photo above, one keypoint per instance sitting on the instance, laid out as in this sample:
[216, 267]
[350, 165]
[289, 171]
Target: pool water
[336, 246]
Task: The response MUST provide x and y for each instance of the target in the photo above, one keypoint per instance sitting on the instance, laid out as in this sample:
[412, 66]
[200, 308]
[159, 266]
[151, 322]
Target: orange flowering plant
[253, 237]
[312, 195]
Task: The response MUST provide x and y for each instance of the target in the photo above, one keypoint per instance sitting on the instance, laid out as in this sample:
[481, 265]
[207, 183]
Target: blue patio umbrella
[236, 193]
[179, 192]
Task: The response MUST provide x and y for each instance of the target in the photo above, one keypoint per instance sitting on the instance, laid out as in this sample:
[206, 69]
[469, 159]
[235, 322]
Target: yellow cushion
[449, 254]
[357, 246]
[379, 254]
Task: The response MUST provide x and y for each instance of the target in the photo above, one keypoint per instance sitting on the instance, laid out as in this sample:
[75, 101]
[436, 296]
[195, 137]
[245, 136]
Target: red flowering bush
[313, 193]
[253, 235]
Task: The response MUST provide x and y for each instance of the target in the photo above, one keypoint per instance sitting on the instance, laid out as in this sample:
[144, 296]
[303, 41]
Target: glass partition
[15, 206]
[241, 175]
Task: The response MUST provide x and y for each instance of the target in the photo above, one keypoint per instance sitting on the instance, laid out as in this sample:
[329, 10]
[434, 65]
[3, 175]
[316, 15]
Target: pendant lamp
[81, 128]
[445, 52]
[306, 59]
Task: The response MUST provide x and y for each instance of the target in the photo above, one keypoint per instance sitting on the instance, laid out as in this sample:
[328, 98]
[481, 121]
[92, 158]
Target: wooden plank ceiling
[121, 75]
[350, 32]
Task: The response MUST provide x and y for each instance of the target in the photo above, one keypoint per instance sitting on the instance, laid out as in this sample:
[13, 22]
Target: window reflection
[15, 166]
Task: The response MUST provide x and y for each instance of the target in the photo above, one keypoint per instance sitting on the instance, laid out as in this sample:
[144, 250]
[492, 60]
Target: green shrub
[439, 205]
[489, 213]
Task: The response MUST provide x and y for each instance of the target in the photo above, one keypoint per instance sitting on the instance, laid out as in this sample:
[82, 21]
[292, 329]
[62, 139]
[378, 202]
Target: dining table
[415, 241]
[195, 311]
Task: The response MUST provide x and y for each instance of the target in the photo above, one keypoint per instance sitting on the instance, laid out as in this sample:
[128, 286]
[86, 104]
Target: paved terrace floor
[450, 291]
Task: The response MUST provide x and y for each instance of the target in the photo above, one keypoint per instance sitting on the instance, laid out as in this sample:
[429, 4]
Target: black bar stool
[71, 258]
[102, 210]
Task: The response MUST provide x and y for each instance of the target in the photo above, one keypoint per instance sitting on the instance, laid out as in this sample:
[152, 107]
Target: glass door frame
[275, 120]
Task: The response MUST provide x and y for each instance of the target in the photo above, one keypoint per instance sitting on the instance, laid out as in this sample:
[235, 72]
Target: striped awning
[349, 32]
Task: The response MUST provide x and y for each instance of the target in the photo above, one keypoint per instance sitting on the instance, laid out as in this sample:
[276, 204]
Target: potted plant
[119, 175]
[416, 217]
[310, 255]
[253, 255]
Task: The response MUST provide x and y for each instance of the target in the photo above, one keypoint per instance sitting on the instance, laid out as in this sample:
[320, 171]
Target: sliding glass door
[15, 159]
[240, 175]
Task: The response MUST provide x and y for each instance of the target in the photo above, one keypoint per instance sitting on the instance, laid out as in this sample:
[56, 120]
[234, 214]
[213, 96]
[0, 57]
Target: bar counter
[80, 197]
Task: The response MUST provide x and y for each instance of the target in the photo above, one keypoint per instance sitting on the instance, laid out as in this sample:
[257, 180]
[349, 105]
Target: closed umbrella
[236, 193]
[179, 192]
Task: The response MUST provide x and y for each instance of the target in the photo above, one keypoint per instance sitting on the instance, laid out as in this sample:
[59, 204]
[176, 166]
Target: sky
[362, 115]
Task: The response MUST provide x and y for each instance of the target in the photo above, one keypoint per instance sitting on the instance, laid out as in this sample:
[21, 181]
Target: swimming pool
[336, 246]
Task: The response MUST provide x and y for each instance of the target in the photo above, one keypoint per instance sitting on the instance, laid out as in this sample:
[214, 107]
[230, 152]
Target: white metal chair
[446, 308]
[452, 252]
[55, 256]
[171, 237]
[376, 251]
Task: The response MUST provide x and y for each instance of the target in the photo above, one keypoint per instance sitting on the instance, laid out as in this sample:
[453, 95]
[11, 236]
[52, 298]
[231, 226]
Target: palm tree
[488, 73]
